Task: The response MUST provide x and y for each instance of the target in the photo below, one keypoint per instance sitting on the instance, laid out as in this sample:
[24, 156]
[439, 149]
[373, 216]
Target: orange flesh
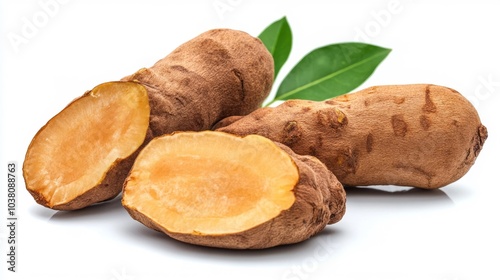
[73, 151]
[211, 182]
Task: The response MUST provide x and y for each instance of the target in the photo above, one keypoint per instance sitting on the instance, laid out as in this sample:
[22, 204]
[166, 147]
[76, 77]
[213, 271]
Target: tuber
[80, 155]
[84, 153]
[419, 135]
[221, 190]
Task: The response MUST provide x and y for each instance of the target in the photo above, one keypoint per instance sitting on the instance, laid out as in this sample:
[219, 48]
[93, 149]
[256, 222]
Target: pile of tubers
[195, 156]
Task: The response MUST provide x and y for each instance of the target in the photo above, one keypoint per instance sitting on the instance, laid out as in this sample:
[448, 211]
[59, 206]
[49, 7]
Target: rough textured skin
[218, 74]
[420, 135]
[320, 200]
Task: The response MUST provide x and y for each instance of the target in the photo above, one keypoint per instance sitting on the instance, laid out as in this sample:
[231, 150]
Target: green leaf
[331, 71]
[277, 38]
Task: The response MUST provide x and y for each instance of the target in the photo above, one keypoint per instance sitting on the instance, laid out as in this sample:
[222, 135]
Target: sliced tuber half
[220, 190]
[74, 159]
[217, 74]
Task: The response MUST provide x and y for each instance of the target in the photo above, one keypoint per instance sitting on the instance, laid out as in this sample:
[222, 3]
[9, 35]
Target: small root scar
[346, 162]
[291, 133]
[399, 100]
[429, 106]
[369, 143]
[341, 118]
[425, 122]
[399, 126]
[331, 118]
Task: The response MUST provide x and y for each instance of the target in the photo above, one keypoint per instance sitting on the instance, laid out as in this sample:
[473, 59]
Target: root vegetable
[78, 157]
[218, 74]
[83, 154]
[220, 190]
[420, 135]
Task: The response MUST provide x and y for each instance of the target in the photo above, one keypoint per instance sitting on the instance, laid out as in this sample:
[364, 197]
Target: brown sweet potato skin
[419, 135]
[220, 73]
[107, 189]
[320, 200]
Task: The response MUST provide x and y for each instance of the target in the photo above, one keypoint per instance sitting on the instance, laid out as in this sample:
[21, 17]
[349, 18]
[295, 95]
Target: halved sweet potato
[74, 157]
[220, 190]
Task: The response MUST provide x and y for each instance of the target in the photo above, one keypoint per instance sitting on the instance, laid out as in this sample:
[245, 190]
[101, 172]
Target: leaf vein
[330, 76]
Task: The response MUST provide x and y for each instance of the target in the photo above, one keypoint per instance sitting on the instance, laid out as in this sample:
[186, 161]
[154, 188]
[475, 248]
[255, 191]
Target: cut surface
[210, 183]
[72, 153]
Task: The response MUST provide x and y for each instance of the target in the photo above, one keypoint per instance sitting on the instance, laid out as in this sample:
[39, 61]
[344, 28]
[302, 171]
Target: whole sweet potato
[84, 153]
[418, 135]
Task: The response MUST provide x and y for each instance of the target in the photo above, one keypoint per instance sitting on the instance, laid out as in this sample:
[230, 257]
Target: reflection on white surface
[377, 219]
[111, 219]
[387, 233]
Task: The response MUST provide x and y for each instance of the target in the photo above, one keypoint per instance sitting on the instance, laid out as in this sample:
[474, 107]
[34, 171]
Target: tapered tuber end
[83, 154]
[482, 136]
[220, 190]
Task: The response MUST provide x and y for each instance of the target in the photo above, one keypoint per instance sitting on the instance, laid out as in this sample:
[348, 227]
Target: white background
[397, 233]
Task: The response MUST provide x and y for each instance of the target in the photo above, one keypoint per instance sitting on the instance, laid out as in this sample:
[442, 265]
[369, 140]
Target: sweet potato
[421, 135]
[84, 153]
[220, 73]
[220, 190]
